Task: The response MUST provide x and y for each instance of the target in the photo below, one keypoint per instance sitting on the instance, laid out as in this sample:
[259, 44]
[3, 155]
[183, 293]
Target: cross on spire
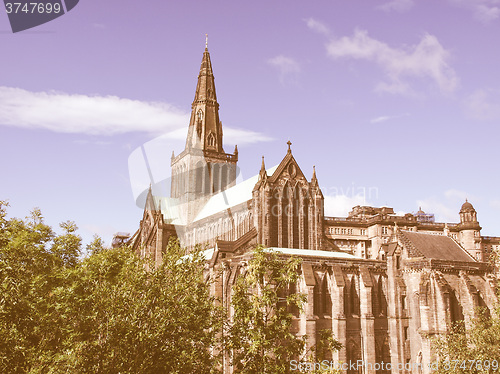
[289, 144]
[206, 41]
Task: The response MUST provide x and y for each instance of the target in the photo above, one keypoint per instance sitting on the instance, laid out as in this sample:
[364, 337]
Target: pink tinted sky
[397, 98]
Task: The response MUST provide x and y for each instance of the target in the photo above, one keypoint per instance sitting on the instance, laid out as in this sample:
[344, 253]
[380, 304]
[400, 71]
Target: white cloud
[427, 59]
[234, 136]
[387, 118]
[443, 212]
[446, 208]
[317, 26]
[341, 205]
[483, 104]
[286, 66]
[397, 5]
[380, 119]
[484, 11]
[100, 115]
[94, 115]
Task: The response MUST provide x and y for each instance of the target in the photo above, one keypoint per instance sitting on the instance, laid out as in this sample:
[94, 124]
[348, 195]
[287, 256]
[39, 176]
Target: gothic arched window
[295, 218]
[326, 299]
[199, 177]
[354, 298]
[224, 177]
[208, 172]
[285, 213]
[456, 311]
[305, 215]
[211, 140]
[381, 300]
[216, 177]
[273, 218]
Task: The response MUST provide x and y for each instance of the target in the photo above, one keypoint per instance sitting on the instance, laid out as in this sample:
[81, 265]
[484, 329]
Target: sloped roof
[390, 248]
[231, 197]
[437, 246]
[315, 253]
[208, 253]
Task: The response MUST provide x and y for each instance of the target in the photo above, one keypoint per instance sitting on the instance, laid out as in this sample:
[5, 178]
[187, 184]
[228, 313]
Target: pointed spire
[205, 127]
[206, 42]
[235, 149]
[206, 85]
[262, 172]
[314, 180]
[150, 203]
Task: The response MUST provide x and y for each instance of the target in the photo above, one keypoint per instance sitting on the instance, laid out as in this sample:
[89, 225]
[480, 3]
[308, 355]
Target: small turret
[314, 179]
[470, 231]
[468, 214]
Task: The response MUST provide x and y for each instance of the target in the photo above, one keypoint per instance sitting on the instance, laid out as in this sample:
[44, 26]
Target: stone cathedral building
[385, 284]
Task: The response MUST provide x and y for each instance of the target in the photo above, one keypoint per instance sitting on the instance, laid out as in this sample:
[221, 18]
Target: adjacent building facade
[385, 284]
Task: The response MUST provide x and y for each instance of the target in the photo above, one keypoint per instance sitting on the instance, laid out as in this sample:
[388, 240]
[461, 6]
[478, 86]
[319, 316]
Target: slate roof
[437, 247]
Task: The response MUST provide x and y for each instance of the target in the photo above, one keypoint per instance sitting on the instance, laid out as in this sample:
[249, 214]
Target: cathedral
[385, 284]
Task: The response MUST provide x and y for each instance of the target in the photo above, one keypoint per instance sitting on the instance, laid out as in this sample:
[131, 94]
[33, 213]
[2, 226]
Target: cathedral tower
[203, 168]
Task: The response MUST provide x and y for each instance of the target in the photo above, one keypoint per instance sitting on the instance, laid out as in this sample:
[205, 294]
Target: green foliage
[32, 260]
[126, 318]
[108, 313]
[96, 246]
[326, 343]
[260, 337]
[462, 351]
[475, 349]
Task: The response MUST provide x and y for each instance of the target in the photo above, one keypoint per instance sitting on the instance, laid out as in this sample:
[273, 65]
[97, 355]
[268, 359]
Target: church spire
[205, 127]
[314, 179]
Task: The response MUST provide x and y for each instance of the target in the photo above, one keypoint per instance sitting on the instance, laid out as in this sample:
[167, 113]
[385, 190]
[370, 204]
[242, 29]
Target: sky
[396, 103]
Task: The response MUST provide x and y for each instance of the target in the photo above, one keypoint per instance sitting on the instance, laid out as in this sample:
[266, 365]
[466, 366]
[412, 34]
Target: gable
[288, 169]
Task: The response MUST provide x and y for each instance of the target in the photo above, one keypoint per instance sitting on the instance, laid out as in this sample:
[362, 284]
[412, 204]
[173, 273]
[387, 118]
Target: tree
[126, 318]
[475, 350]
[32, 259]
[259, 337]
[110, 312]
